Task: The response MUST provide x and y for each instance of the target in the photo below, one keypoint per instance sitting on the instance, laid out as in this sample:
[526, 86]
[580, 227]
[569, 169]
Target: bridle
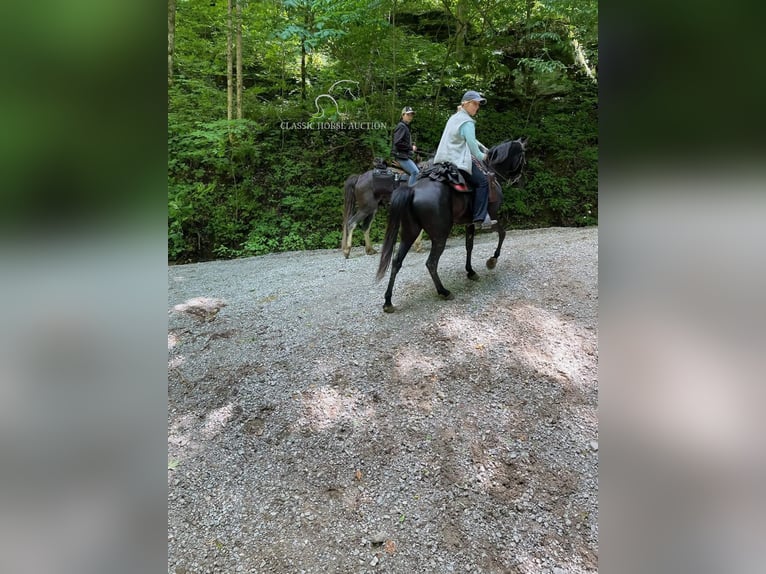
[515, 176]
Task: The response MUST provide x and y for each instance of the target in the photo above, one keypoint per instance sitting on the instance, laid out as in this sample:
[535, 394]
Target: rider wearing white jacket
[458, 143]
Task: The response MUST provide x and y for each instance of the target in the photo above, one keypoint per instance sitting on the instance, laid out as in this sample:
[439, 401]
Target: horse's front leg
[492, 261]
[470, 233]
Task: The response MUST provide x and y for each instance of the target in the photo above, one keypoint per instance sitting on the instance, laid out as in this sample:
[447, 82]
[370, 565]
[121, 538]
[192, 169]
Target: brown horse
[435, 207]
[362, 201]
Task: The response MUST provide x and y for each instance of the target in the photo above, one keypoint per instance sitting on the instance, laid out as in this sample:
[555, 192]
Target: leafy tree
[250, 186]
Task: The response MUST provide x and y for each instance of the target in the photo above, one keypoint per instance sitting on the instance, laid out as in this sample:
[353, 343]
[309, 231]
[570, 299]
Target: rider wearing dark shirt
[402, 148]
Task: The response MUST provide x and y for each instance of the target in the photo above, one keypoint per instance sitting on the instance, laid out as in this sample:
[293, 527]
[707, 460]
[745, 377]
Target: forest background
[273, 104]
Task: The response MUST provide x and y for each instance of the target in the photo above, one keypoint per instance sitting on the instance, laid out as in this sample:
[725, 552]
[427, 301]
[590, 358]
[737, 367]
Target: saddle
[446, 173]
[449, 173]
[384, 178]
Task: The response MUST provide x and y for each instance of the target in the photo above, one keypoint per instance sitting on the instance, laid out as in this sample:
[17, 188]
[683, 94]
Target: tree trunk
[229, 65]
[529, 80]
[303, 69]
[239, 59]
[460, 29]
[308, 27]
[393, 64]
[582, 61]
[171, 38]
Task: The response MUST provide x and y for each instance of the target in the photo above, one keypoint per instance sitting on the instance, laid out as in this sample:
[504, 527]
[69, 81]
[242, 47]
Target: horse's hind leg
[348, 236]
[404, 246]
[437, 248]
[368, 248]
[351, 224]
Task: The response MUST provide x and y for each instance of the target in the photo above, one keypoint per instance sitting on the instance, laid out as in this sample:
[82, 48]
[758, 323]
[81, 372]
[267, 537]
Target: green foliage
[265, 184]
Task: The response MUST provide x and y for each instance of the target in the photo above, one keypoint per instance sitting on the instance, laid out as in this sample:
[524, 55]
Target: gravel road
[309, 432]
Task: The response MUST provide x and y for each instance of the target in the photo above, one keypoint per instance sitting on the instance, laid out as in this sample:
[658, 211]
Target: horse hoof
[389, 308]
[448, 296]
[370, 251]
[491, 262]
[473, 276]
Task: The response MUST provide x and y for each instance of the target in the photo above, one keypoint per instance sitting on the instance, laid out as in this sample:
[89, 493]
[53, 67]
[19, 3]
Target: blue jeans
[478, 181]
[409, 166]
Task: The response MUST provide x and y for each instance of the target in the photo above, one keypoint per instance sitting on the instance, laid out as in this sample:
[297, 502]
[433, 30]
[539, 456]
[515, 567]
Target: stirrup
[487, 223]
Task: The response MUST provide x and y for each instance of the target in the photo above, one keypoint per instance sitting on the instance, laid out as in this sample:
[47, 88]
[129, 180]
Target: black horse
[362, 200]
[436, 207]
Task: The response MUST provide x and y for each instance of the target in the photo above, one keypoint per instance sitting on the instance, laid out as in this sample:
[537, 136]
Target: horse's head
[507, 159]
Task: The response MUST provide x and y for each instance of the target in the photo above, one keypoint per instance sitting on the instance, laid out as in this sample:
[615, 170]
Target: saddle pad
[446, 173]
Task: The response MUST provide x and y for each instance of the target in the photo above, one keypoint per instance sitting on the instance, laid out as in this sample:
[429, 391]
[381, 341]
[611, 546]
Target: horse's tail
[401, 200]
[349, 202]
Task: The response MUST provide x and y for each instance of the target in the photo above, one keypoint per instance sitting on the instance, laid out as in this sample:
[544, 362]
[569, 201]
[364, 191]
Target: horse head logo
[333, 104]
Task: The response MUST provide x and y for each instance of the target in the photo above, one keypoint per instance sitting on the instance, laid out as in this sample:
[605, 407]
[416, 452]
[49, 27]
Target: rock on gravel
[308, 431]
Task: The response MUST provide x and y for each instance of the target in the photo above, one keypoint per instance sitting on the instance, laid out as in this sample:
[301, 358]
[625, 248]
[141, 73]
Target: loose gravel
[309, 431]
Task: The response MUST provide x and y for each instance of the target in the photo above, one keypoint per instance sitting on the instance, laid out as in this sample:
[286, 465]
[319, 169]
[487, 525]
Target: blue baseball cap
[471, 96]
